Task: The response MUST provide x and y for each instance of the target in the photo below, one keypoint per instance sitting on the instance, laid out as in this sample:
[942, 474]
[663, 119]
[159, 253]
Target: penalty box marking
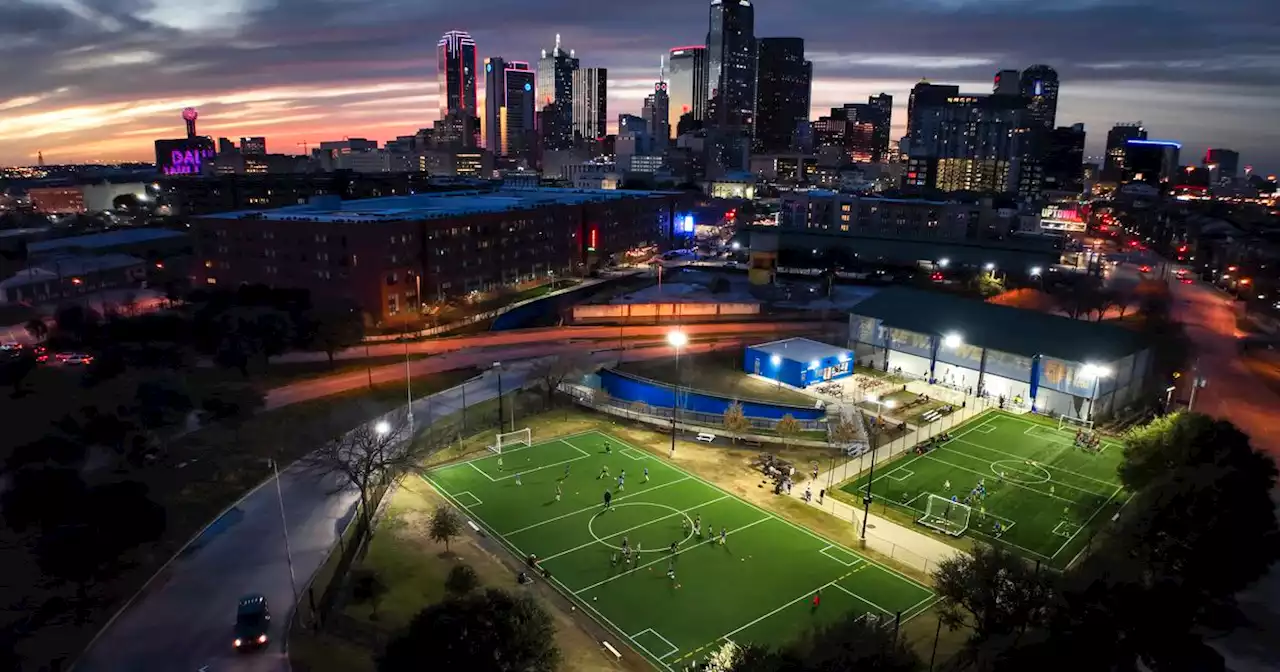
[633, 454]
[674, 649]
[893, 474]
[458, 496]
[842, 561]
[1065, 528]
[985, 428]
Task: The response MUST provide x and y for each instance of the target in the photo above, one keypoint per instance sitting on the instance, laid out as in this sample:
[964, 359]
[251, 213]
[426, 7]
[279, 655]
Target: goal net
[946, 516]
[520, 437]
[1073, 424]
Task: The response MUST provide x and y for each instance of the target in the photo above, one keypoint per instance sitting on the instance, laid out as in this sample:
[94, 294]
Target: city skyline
[101, 83]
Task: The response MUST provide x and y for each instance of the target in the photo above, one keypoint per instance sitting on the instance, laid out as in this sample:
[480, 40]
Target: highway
[605, 334]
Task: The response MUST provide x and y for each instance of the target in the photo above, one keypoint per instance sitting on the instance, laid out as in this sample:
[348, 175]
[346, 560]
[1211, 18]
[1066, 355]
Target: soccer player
[817, 600]
[673, 547]
[1052, 489]
[499, 463]
[671, 569]
[518, 478]
[613, 559]
[697, 528]
[723, 534]
[608, 498]
[637, 551]
[566, 470]
[608, 447]
[621, 485]
[947, 485]
[646, 474]
[604, 471]
[557, 491]
[684, 524]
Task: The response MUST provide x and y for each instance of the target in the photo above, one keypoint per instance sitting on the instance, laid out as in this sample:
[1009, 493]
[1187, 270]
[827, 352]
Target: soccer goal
[945, 516]
[1068, 422]
[520, 437]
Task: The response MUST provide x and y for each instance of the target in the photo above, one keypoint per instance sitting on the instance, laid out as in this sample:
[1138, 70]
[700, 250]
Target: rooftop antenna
[557, 51]
[662, 68]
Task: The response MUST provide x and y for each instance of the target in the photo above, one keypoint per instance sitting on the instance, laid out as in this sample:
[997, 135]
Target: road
[563, 334]
[183, 619]
[322, 387]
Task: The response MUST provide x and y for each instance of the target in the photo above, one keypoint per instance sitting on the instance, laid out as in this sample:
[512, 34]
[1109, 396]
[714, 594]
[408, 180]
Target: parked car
[78, 359]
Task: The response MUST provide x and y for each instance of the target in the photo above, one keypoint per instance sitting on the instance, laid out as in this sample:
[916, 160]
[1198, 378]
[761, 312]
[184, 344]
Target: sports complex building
[1054, 364]
[798, 362]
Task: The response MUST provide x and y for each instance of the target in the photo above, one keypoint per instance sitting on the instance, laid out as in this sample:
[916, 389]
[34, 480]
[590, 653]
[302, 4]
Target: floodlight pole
[871, 474]
[675, 402]
[284, 527]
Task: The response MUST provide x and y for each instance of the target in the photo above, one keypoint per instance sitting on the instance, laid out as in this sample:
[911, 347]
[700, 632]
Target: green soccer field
[1048, 495]
[756, 587]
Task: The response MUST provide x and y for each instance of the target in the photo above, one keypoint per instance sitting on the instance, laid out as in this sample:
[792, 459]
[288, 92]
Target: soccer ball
[594, 599]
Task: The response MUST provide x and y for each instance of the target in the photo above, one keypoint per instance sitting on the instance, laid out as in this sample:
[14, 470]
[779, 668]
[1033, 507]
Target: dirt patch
[415, 568]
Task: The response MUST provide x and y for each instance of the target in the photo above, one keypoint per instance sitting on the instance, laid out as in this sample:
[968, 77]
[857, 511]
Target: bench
[705, 437]
[751, 442]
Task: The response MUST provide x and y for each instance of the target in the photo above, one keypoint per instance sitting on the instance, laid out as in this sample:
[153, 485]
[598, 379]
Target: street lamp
[497, 367]
[284, 528]
[1168, 397]
[677, 339]
[944, 262]
[383, 428]
[1097, 372]
[952, 341]
[871, 472]
[1035, 271]
[776, 361]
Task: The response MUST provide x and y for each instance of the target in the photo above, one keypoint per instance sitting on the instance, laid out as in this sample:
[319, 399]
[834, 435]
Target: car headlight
[237, 643]
[262, 639]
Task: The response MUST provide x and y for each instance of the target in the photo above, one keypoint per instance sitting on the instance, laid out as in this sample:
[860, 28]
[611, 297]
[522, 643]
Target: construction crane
[306, 147]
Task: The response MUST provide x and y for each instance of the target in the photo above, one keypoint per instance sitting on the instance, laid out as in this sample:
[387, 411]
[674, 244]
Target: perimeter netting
[946, 515]
[1068, 422]
[520, 437]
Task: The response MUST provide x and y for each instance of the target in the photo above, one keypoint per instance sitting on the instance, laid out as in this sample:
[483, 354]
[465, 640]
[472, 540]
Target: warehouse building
[1051, 363]
[798, 362]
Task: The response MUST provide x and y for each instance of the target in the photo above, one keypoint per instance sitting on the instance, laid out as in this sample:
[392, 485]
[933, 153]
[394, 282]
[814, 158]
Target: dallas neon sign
[187, 162]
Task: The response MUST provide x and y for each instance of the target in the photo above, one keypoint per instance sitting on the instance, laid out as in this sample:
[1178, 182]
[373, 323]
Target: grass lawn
[1049, 496]
[414, 568]
[901, 399]
[756, 587]
[718, 373]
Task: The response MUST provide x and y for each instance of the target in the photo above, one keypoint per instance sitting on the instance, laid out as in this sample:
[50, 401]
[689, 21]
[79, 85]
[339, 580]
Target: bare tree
[735, 421]
[549, 372]
[368, 457]
[788, 428]
[844, 430]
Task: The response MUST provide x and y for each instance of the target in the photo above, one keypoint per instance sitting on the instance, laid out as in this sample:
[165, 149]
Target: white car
[11, 346]
[78, 359]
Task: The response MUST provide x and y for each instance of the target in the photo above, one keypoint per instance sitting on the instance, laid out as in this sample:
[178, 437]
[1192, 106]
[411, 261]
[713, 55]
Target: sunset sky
[86, 80]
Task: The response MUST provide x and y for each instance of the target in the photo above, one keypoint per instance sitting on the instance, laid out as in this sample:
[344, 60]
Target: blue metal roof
[107, 239]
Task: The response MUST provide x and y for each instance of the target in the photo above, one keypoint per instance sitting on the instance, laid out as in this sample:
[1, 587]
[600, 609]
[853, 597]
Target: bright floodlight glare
[813, 364]
[942, 263]
[775, 360]
[952, 340]
[1035, 270]
[677, 338]
[1095, 371]
[383, 427]
[737, 245]
[990, 266]
[890, 403]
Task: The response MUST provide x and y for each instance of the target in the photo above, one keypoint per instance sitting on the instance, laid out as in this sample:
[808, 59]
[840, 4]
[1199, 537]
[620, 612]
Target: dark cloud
[110, 52]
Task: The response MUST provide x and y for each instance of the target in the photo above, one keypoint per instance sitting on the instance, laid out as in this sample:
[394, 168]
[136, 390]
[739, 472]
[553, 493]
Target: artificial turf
[1051, 499]
[756, 587]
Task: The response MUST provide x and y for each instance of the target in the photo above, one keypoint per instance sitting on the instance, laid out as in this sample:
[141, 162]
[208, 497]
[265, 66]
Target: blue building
[798, 362]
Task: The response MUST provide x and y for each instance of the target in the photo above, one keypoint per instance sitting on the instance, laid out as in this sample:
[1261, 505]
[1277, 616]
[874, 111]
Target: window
[392, 279]
[393, 304]
[322, 238]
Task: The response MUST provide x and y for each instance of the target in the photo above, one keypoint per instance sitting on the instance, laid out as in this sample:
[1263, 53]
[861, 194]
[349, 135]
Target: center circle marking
[591, 525]
[1021, 472]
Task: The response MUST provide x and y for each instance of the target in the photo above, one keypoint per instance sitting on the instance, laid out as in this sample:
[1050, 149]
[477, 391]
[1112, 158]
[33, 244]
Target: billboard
[1062, 218]
[185, 156]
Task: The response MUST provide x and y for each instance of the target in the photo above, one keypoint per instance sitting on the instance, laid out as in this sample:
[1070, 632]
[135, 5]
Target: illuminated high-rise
[1039, 86]
[509, 103]
[590, 103]
[1113, 167]
[555, 97]
[782, 93]
[456, 68]
[687, 86]
[731, 78]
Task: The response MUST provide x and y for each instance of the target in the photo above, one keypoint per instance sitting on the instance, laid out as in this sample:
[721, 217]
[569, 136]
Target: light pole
[284, 528]
[871, 472]
[408, 386]
[1168, 397]
[677, 339]
[1097, 373]
[497, 367]
[776, 361]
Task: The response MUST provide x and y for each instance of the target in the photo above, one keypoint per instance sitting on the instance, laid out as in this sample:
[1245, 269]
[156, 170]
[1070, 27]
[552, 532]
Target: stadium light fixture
[943, 262]
[775, 360]
[1035, 270]
[889, 403]
[989, 266]
[813, 364]
[952, 340]
[1094, 371]
[677, 338]
[382, 428]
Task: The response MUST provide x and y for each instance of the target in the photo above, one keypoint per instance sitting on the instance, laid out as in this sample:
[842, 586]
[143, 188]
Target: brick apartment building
[390, 255]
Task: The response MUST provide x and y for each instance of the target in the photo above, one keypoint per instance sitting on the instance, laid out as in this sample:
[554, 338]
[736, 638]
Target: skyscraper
[456, 66]
[687, 85]
[731, 76]
[964, 142]
[509, 108]
[1063, 159]
[1226, 160]
[253, 146]
[590, 103]
[656, 113]
[1007, 83]
[782, 93]
[1113, 166]
[1039, 85]
[1152, 161]
[555, 97]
